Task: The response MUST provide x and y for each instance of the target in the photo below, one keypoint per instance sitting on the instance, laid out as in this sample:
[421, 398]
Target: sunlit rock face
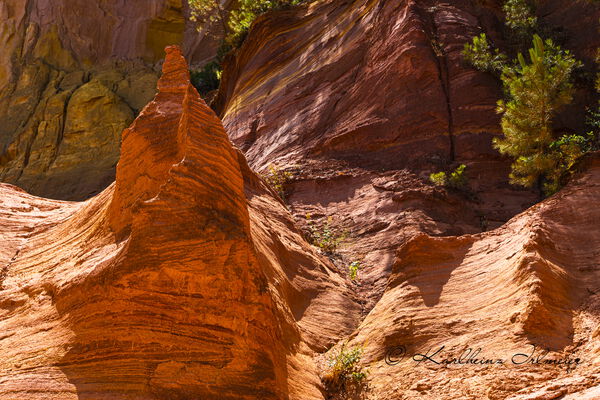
[73, 75]
[184, 276]
[184, 279]
[379, 84]
[532, 282]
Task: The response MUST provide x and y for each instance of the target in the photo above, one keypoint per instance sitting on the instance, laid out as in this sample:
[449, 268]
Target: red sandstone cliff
[184, 279]
[364, 99]
[188, 278]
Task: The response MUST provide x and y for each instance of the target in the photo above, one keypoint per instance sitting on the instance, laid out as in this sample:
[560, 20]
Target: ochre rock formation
[363, 100]
[534, 281]
[185, 279]
[188, 278]
[347, 78]
[373, 81]
[73, 75]
[367, 81]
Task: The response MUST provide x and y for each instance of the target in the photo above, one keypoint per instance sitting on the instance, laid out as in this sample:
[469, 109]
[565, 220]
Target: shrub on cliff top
[234, 24]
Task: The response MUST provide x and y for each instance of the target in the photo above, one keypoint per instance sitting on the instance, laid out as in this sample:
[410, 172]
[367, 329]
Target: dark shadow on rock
[427, 263]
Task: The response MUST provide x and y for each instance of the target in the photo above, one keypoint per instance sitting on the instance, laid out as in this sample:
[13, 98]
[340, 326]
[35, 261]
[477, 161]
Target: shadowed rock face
[365, 99]
[168, 284]
[73, 75]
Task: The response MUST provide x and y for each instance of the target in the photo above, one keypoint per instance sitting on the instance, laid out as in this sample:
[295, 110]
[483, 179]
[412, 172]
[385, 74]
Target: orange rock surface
[184, 279]
[188, 278]
[534, 281]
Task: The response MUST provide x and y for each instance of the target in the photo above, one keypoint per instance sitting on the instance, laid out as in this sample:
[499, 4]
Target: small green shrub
[207, 78]
[455, 180]
[353, 269]
[458, 179]
[343, 368]
[278, 179]
[519, 15]
[593, 119]
[535, 90]
[564, 153]
[324, 237]
[481, 55]
[438, 178]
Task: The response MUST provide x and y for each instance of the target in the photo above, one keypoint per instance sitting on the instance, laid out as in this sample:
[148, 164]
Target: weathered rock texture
[534, 281]
[185, 279]
[188, 279]
[364, 99]
[367, 81]
[73, 75]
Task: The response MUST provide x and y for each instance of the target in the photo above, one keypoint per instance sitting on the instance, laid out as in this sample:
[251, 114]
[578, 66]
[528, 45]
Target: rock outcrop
[74, 74]
[407, 53]
[189, 278]
[184, 279]
[367, 81]
[363, 100]
[533, 282]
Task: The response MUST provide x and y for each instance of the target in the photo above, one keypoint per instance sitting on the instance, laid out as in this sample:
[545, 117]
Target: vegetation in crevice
[207, 78]
[456, 179]
[324, 236]
[278, 179]
[536, 90]
[343, 371]
[353, 269]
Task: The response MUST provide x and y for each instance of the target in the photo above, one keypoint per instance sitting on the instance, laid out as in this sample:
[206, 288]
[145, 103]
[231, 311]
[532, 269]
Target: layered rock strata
[184, 279]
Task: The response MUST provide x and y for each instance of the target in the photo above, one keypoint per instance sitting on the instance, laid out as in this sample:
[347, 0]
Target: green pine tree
[536, 90]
